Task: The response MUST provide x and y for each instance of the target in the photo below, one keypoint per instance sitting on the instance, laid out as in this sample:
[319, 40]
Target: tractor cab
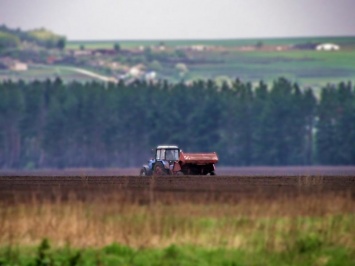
[167, 153]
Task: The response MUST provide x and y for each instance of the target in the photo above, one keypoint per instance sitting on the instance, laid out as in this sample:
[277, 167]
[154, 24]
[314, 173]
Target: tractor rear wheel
[159, 169]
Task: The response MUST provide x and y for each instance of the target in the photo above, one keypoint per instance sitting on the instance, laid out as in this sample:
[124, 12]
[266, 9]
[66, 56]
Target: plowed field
[172, 188]
[222, 171]
[245, 212]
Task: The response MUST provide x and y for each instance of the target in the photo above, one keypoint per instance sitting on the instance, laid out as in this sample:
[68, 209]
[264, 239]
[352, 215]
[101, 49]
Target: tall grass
[257, 223]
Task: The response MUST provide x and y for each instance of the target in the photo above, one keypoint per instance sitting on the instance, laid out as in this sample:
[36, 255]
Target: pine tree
[326, 132]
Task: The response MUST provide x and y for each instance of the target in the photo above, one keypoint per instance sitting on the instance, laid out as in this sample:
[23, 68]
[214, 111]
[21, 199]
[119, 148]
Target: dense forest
[12, 38]
[53, 124]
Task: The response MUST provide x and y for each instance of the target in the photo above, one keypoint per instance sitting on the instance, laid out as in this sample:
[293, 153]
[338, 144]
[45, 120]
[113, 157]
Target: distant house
[81, 52]
[198, 47]
[104, 52]
[19, 66]
[51, 59]
[137, 70]
[151, 75]
[13, 64]
[327, 47]
[134, 72]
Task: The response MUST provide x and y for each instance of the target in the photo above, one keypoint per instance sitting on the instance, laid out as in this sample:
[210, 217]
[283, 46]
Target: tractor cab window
[160, 154]
[172, 155]
[167, 154]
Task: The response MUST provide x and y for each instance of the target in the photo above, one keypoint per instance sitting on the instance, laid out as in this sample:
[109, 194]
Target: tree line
[53, 124]
[10, 39]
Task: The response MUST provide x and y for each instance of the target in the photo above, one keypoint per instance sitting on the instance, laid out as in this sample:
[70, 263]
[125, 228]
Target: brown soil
[172, 188]
[223, 171]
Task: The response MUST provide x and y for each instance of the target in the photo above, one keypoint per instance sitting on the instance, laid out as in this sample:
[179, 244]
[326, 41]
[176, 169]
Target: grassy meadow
[129, 44]
[223, 60]
[227, 61]
[308, 68]
[301, 230]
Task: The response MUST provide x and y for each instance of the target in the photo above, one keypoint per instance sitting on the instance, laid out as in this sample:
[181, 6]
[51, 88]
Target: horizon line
[213, 39]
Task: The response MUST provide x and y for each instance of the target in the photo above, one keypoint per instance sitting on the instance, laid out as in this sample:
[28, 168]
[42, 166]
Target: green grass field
[127, 44]
[309, 68]
[307, 252]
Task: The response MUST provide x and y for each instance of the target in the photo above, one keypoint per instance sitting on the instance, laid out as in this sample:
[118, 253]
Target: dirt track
[221, 188]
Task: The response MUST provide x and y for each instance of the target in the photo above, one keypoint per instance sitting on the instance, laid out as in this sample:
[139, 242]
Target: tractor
[170, 160]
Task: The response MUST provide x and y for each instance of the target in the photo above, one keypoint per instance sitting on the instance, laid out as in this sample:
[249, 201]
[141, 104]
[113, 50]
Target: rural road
[80, 71]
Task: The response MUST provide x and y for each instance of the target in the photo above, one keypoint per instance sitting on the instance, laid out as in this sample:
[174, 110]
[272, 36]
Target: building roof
[327, 46]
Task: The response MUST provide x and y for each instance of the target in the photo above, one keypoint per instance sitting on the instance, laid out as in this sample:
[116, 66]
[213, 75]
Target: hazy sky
[182, 19]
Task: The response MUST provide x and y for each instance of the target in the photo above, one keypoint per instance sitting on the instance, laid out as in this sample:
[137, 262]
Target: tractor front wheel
[143, 172]
[159, 169]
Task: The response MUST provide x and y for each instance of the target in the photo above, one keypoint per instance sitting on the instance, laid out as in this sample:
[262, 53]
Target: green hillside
[226, 59]
[250, 60]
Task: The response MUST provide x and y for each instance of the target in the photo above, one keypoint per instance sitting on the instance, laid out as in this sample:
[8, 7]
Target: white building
[151, 75]
[327, 47]
[13, 64]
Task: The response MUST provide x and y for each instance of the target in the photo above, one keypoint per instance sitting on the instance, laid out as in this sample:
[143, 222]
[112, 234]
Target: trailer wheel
[213, 173]
[159, 169]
